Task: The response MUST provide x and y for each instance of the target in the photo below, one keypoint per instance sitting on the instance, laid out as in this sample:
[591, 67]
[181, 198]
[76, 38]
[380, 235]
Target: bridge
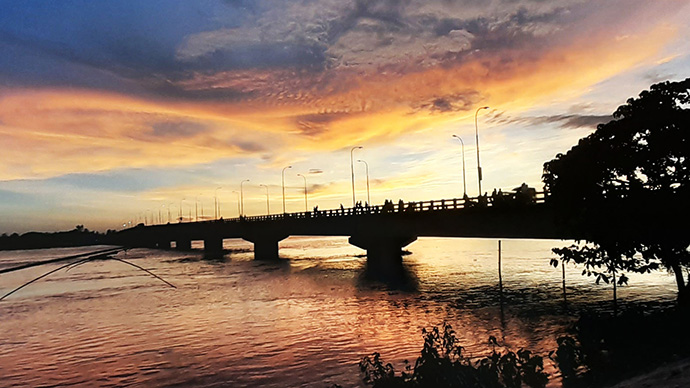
[381, 230]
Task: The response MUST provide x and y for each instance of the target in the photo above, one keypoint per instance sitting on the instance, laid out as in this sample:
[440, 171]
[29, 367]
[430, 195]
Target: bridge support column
[384, 252]
[213, 245]
[183, 244]
[164, 244]
[265, 246]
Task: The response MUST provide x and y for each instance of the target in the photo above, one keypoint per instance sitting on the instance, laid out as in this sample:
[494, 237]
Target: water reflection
[303, 321]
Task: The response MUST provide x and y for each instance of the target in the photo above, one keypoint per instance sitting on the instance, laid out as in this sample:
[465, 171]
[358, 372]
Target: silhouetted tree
[624, 189]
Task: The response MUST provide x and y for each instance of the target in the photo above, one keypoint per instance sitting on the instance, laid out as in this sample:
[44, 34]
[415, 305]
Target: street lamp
[216, 209]
[283, 175]
[367, 166]
[305, 192]
[476, 133]
[242, 196]
[464, 183]
[352, 171]
[181, 216]
[239, 212]
[169, 206]
[268, 211]
[196, 209]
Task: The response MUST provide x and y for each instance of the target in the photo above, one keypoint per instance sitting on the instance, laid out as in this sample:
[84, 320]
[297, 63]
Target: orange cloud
[51, 132]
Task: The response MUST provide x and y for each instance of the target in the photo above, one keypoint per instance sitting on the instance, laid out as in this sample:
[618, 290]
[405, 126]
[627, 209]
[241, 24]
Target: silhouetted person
[483, 200]
[467, 201]
[525, 195]
[401, 205]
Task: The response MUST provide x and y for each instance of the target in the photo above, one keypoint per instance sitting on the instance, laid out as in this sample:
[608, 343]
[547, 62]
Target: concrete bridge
[381, 230]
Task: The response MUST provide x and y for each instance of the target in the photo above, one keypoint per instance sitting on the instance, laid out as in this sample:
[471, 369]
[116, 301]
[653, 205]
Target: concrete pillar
[384, 252]
[213, 245]
[183, 244]
[265, 246]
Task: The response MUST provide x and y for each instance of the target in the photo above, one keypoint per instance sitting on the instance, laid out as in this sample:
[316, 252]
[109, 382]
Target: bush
[442, 364]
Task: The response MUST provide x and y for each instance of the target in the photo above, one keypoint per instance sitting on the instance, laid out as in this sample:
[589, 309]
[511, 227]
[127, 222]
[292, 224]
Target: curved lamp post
[196, 209]
[242, 196]
[367, 167]
[283, 175]
[476, 134]
[305, 192]
[464, 181]
[239, 211]
[352, 172]
[268, 211]
[216, 210]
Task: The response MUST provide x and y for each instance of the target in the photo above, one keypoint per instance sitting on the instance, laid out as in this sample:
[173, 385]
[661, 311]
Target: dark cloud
[178, 129]
[250, 146]
[261, 56]
[451, 103]
[316, 124]
[563, 121]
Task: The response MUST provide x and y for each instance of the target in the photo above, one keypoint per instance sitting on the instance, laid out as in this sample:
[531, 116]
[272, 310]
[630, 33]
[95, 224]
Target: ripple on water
[304, 321]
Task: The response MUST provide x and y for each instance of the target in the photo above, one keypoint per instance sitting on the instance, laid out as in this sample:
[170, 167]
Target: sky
[113, 113]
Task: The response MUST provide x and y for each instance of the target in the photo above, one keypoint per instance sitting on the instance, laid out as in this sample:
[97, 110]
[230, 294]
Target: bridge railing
[508, 199]
[498, 200]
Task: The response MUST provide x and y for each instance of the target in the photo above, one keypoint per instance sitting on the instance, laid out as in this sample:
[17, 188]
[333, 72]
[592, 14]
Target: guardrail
[504, 199]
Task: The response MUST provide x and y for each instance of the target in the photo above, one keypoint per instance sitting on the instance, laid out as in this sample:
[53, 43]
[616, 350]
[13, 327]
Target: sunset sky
[113, 111]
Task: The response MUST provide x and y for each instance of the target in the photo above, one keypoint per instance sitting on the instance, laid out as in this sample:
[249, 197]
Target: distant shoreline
[77, 237]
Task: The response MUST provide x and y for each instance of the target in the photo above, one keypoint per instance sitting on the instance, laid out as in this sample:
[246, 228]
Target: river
[305, 321]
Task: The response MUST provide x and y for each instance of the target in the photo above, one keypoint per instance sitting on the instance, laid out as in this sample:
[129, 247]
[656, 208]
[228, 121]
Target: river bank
[671, 375]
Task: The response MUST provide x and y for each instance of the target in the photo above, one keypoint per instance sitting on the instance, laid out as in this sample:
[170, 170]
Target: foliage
[79, 236]
[568, 357]
[443, 364]
[624, 188]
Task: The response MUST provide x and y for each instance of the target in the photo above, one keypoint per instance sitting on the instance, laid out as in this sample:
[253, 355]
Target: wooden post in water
[615, 296]
[565, 299]
[500, 277]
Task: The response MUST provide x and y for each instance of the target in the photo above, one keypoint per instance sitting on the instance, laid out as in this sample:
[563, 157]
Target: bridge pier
[384, 252]
[163, 244]
[213, 245]
[265, 246]
[183, 244]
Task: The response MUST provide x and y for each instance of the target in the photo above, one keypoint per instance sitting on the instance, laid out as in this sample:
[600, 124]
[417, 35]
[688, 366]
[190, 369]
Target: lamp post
[476, 134]
[283, 175]
[242, 196]
[305, 192]
[464, 182]
[196, 209]
[169, 206]
[268, 211]
[181, 216]
[216, 209]
[352, 173]
[367, 167]
[239, 212]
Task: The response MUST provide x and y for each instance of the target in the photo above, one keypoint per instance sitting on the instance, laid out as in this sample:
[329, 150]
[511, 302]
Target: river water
[305, 321]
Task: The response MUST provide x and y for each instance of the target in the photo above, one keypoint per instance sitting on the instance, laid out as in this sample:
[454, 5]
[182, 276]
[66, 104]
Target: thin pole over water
[565, 299]
[500, 276]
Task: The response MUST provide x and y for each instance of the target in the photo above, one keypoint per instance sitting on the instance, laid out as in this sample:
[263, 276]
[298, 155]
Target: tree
[624, 189]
